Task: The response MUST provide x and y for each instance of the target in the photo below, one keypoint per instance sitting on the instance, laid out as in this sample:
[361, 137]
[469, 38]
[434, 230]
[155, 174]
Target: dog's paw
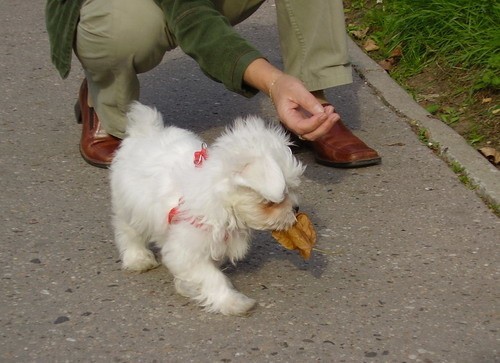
[139, 260]
[234, 304]
[186, 288]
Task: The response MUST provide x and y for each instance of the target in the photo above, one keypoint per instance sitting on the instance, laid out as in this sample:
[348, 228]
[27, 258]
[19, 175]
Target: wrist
[272, 86]
[262, 75]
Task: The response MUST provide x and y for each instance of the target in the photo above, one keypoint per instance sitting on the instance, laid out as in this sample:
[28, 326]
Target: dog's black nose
[296, 209]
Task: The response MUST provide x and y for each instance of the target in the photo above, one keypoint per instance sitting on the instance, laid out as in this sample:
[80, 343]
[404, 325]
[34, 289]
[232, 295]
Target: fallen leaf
[386, 65]
[301, 236]
[389, 63]
[491, 154]
[370, 45]
[430, 96]
[486, 100]
[360, 34]
[396, 52]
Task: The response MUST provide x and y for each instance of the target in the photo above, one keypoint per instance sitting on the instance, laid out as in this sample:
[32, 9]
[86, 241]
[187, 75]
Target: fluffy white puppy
[200, 204]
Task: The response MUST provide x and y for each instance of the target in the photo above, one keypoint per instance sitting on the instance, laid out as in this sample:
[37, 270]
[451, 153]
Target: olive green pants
[118, 39]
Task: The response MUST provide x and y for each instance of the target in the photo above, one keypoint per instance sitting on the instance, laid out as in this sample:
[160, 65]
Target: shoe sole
[94, 163]
[352, 164]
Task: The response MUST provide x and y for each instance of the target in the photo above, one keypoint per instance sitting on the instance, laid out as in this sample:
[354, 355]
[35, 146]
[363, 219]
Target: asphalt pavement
[408, 267]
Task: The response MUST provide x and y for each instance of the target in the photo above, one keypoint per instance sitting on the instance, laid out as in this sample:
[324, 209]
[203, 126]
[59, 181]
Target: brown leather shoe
[96, 146]
[340, 148]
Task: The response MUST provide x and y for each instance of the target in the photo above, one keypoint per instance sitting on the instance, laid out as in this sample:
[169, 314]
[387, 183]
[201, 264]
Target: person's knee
[112, 32]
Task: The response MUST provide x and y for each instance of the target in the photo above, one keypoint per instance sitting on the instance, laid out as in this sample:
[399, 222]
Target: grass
[459, 170]
[461, 33]
[447, 49]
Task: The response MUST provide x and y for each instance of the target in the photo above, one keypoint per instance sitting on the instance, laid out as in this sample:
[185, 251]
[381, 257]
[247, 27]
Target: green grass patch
[464, 34]
[460, 171]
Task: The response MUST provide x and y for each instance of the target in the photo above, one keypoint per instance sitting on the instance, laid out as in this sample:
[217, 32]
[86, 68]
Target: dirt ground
[468, 114]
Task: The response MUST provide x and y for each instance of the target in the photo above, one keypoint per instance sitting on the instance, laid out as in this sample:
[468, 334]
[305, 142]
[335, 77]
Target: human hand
[299, 110]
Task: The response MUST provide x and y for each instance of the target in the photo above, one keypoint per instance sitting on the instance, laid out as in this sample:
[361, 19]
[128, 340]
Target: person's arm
[205, 35]
[61, 19]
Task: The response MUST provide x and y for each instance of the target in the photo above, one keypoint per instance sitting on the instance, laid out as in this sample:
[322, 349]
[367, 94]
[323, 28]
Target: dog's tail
[143, 120]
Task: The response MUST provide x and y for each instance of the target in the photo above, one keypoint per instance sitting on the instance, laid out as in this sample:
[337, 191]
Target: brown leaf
[430, 96]
[360, 34]
[301, 236]
[386, 64]
[491, 154]
[370, 45]
[396, 52]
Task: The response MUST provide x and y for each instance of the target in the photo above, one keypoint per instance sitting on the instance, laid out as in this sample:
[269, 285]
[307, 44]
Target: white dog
[199, 204]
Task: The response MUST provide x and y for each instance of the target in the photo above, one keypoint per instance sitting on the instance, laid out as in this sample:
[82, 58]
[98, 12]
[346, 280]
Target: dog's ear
[265, 177]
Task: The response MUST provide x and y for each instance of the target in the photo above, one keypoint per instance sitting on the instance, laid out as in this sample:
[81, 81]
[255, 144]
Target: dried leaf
[396, 52]
[491, 154]
[370, 45]
[429, 97]
[386, 65]
[389, 63]
[360, 34]
[301, 236]
[486, 100]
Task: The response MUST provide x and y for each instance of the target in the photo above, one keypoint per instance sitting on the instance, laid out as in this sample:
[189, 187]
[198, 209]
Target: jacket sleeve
[205, 34]
[61, 19]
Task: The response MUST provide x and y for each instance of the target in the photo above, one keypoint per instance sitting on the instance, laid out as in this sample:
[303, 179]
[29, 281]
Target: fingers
[289, 88]
[329, 109]
[319, 126]
[306, 126]
[299, 109]
[311, 104]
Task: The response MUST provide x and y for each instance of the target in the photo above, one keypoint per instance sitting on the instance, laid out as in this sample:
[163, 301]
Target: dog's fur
[246, 182]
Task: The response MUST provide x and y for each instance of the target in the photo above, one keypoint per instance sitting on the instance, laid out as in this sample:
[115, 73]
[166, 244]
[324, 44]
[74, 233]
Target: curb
[452, 147]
